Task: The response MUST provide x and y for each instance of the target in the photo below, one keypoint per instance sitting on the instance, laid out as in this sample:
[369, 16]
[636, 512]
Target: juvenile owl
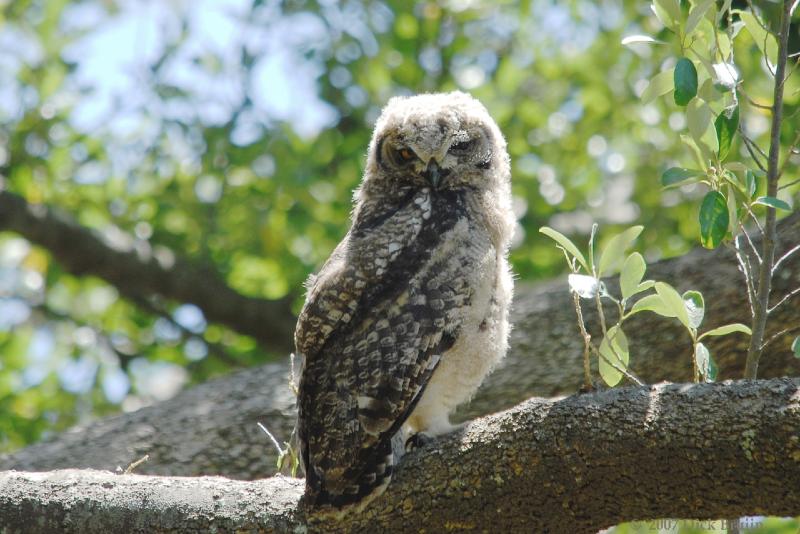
[410, 312]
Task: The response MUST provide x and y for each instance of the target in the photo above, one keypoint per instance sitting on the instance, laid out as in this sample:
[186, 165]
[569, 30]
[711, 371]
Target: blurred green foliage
[235, 131]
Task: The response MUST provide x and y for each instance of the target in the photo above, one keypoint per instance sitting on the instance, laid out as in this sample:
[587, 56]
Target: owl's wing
[381, 326]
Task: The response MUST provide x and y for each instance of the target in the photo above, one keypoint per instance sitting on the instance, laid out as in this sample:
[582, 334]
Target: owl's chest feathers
[442, 232]
[449, 249]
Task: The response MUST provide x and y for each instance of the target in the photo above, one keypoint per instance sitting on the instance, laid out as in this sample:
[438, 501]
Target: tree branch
[139, 270]
[211, 428]
[570, 465]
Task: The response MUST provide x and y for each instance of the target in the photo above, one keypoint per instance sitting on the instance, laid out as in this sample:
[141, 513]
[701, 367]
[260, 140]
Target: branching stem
[768, 244]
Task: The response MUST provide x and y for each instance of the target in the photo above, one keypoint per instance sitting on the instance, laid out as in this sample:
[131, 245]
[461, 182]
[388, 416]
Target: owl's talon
[418, 440]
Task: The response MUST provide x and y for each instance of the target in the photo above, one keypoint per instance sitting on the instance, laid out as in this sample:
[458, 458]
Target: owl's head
[438, 141]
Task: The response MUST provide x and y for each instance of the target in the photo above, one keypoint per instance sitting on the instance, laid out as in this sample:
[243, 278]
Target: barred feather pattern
[417, 288]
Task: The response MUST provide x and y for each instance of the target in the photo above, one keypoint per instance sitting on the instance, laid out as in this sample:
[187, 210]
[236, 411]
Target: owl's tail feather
[357, 486]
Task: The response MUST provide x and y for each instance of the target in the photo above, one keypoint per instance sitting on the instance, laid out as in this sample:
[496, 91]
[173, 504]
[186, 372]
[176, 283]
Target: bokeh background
[234, 132]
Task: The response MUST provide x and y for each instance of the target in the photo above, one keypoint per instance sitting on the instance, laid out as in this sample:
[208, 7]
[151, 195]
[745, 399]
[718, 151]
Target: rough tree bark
[581, 457]
[211, 429]
[573, 465]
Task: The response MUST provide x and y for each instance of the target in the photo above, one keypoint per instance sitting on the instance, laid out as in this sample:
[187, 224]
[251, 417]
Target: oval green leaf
[673, 301]
[713, 219]
[750, 183]
[764, 40]
[726, 124]
[678, 176]
[695, 307]
[668, 12]
[796, 347]
[685, 81]
[654, 304]
[660, 84]
[727, 329]
[644, 286]
[568, 245]
[614, 252]
[700, 121]
[713, 369]
[632, 273]
[696, 14]
[614, 356]
[773, 202]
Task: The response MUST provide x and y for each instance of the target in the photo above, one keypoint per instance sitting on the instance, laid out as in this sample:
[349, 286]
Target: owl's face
[436, 141]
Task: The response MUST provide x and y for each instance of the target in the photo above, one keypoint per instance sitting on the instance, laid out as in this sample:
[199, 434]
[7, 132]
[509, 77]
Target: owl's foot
[418, 440]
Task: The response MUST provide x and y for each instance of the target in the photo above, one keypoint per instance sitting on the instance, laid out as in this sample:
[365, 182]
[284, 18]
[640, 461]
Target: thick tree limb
[211, 429]
[139, 271]
[573, 465]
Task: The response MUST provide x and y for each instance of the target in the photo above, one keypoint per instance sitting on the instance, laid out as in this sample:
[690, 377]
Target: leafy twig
[768, 243]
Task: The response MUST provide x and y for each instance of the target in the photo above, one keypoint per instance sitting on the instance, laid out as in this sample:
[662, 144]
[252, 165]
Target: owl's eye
[405, 155]
[461, 146]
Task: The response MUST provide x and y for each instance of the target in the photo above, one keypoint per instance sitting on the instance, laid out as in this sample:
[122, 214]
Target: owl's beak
[433, 173]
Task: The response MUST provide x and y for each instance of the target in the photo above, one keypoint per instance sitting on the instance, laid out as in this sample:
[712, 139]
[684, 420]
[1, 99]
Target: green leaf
[701, 358]
[568, 245]
[699, 120]
[765, 42]
[796, 347]
[695, 307]
[613, 252]
[726, 124]
[736, 166]
[644, 286]
[695, 150]
[751, 183]
[685, 81]
[713, 369]
[773, 202]
[668, 12]
[733, 209]
[660, 84]
[675, 176]
[734, 186]
[727, 329]
[632, 273]
[640, 39]
[673, 301]
[613, 349]
[713, 219]
[696, 15]
[654, 304]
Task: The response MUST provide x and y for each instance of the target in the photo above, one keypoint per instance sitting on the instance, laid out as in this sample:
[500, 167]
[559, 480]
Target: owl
[410, 312]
